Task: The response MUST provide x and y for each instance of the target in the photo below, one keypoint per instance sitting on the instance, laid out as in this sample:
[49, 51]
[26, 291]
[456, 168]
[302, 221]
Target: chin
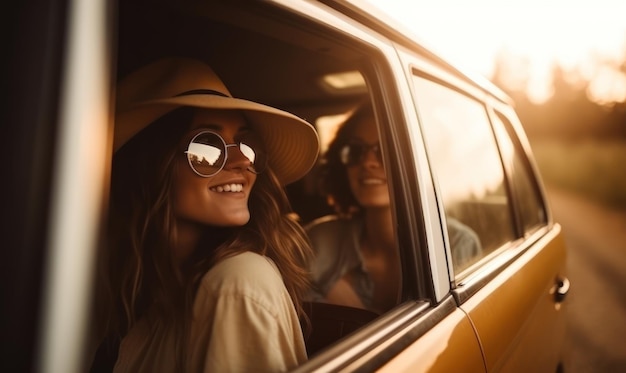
[376, 204]
[237, 221]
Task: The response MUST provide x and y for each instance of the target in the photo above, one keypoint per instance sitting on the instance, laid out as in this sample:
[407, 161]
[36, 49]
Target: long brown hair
[334, 177]
[138, 271]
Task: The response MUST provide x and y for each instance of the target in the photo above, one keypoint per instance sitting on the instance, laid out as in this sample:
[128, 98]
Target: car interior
[303, 73]
[259, 57]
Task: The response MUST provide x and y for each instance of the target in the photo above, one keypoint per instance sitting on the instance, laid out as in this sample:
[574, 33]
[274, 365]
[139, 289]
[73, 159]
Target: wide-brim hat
[162, 86]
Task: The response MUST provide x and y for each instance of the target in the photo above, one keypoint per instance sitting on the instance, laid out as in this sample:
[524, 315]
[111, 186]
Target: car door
[512, 288]
[426, 331]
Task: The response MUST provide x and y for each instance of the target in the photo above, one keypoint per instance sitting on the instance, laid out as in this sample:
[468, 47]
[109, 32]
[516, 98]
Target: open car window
[305, 67]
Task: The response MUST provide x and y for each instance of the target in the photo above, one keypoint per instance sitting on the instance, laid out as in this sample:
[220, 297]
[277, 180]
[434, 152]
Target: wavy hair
[334, 177]
[138, 270]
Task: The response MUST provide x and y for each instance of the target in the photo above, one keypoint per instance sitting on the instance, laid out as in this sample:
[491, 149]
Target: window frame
[522, 149]
[480, 98]
[481, 273]
[421, 307]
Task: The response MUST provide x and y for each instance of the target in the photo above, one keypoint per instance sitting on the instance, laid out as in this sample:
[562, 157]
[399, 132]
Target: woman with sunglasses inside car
[205, 270]
[356, 260]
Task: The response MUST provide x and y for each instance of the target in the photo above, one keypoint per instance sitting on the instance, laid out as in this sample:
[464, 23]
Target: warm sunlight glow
[587, 38]
[327, 127]
[345, 80]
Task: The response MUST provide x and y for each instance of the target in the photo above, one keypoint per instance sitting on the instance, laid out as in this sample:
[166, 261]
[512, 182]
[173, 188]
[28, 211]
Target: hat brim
[291, 142]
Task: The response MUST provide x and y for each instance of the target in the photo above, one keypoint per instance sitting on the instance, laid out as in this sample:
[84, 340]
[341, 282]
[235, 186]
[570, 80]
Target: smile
[233, 188]
[372, 181]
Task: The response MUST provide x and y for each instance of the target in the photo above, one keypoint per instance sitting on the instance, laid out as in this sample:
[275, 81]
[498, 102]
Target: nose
[236, 158]
[370, 158]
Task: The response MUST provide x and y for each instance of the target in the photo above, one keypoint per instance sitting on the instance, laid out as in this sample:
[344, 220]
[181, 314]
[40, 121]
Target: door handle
[562, 288]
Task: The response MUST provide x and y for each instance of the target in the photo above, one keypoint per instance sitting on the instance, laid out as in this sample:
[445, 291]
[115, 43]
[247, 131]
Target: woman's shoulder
[245, 274]
[331, 226]
[330, 232]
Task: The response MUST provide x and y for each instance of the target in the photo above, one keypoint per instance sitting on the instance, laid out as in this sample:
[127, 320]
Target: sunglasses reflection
[207, 153]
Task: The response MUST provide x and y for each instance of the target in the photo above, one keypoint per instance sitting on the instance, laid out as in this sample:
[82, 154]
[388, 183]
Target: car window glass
[524, 187]
[276, 61]
[467, 167]
[356, 262]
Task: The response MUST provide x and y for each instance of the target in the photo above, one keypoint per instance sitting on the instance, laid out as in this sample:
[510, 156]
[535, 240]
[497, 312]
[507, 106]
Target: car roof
[235, 31]
[369, 15]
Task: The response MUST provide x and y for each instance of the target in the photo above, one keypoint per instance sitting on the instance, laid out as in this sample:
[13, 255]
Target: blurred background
[564, 64]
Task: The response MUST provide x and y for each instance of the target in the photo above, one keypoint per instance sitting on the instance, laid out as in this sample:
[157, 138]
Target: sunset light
[587, 39]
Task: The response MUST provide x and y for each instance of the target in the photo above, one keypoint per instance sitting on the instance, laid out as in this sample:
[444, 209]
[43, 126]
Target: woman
[205, 270]
[356, 262]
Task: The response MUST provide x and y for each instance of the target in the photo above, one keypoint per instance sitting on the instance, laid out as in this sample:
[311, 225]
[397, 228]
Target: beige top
[243, 321]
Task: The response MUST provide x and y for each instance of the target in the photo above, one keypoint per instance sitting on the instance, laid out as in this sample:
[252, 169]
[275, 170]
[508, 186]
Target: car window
[310, 71]
[529, 203]
[468, 171]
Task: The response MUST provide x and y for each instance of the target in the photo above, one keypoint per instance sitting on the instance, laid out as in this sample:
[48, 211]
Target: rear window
[524, 187]
[467, 170]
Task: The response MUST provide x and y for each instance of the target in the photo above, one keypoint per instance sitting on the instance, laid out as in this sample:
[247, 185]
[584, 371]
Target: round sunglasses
[353, 153]
[207, 153]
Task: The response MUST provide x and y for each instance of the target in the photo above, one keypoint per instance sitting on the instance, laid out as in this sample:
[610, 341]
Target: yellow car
[453, 148]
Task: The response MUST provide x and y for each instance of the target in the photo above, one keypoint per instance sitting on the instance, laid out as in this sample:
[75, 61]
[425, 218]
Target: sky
[585, 37]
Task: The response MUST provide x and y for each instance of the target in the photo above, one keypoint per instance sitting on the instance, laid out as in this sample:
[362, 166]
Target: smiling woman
[360, 268]
[193, 277]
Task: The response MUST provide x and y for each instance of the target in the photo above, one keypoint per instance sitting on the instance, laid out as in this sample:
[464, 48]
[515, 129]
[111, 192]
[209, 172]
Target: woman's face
[222, 199]
[368, 181]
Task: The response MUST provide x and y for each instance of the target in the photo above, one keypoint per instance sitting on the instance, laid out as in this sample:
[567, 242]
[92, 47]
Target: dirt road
[596, 238]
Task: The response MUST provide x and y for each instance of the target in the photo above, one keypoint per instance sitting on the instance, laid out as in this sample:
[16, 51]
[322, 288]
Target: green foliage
[591, 167]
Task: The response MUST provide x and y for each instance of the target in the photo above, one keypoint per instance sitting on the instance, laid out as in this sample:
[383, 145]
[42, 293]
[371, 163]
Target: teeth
[234, 188]
[372, 181]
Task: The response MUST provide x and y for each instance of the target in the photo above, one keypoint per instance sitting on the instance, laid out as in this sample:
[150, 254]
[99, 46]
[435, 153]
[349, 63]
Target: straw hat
[162, 86]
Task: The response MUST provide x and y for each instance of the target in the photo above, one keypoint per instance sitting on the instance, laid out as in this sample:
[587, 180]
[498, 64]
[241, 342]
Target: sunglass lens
[252, 148]
[206, 154]
[344, 154]
[352, 154]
